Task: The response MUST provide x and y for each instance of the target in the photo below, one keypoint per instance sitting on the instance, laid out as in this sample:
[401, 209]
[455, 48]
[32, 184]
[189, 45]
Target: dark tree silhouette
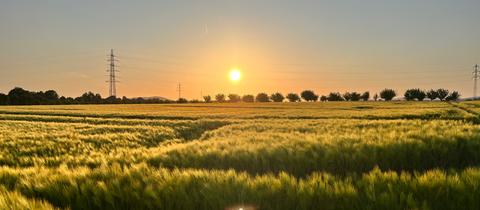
[432, 95]
[89, 98]
[3, 99]
[365, 96]
[194, 101]
[354, 96]
[293, 97]
[220, 98]
[277, 97]
[309, 95]
[207, 99]
[262, 97]
[19, 96]
[182, 101]
[409, 95]
[234, 98]
[453, 96]
[248, 98]
[412, 94]
[420, 95]
[375, 97]
[388, 94]
[112, 100]
[347, 96]
[335, 96]
[442, 94]
[323, 98]
[51, 95]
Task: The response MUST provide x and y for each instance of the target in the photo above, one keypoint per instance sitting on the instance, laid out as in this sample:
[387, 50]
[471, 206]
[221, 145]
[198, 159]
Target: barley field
[334, 155]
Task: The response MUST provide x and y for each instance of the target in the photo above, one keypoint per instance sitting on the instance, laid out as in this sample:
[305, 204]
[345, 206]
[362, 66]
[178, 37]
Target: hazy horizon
[285, 46]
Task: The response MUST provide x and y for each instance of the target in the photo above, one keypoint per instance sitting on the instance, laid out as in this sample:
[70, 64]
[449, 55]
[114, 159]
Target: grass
[345, 155]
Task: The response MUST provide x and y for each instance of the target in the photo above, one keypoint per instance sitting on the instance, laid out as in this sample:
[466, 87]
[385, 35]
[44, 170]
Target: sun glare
[235, 75]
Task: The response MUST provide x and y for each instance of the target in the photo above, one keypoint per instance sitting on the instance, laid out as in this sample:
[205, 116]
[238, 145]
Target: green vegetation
[335, 155]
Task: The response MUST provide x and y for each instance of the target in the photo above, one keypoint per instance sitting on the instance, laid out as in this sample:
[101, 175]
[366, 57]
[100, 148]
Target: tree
[334, 96]
[354, 96]
[262, 97]
[207, 99]
[234, 98]
[442, 94]
[51, 95]
[220, 98]
[3, 99]
[432, 94]
[194, 101]
[182, 101]
[365, 96]
[309, 95]
[375, 97]
[453, 96]
[112, 100]
[323, 98]
[293, 97]
[277, 97]
[89, 98]
[412, 94]
[347, 96]
[409, 95]
[248, 98]
[19, 96]
[388, 94]
[420, 95]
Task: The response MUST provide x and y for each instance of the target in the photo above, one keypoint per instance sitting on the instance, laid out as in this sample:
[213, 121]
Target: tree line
[311, 96]
[20, 96]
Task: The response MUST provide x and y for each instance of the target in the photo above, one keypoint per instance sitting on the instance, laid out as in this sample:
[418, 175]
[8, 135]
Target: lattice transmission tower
[112, 79]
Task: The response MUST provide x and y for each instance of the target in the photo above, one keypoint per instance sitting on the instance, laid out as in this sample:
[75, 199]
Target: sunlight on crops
[397, 155]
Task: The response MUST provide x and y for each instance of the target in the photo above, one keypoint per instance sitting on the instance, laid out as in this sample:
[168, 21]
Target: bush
[388, 94]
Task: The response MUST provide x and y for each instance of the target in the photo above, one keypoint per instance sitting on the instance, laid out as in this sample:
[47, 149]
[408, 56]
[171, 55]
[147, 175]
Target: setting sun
[235, 75]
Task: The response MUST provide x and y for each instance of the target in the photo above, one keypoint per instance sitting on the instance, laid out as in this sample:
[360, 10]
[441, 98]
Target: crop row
[25, 143]
[336, 146]
[366, 110]
[298, 147]
[141, 187]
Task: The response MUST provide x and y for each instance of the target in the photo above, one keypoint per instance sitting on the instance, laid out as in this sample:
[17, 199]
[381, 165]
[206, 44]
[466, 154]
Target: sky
[279, 46]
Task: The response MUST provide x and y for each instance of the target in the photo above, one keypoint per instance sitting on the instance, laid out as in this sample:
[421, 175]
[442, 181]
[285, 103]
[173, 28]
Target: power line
[475, 77]
[112, 79]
